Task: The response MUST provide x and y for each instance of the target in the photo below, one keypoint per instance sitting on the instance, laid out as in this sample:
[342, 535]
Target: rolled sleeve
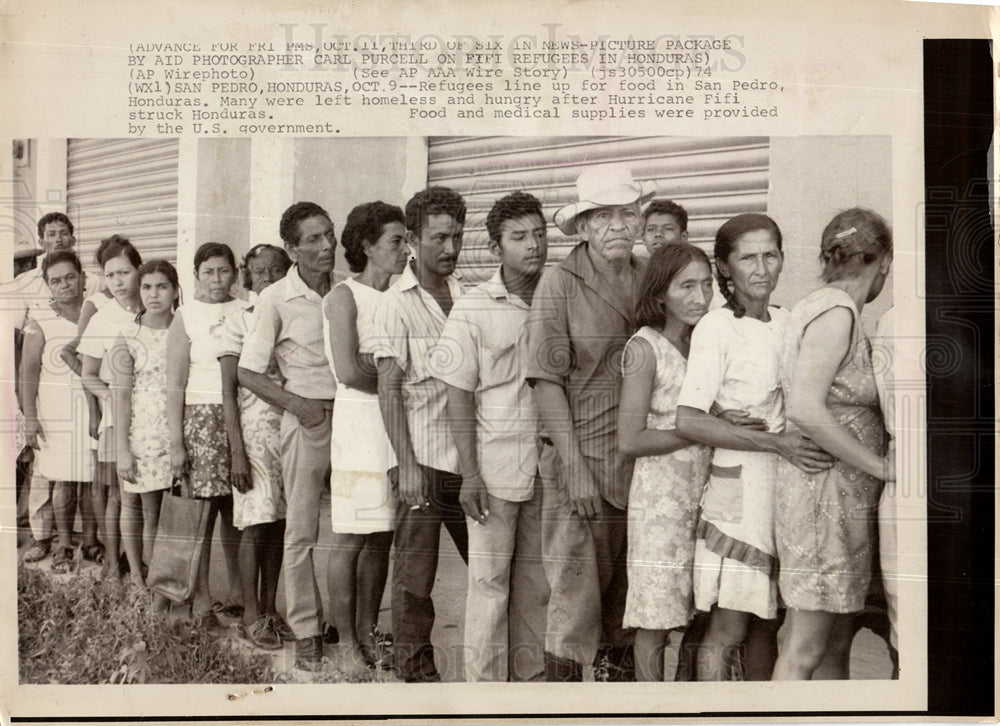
[390, 339]
[258, 347]
[455, 359]
[550, 351]
[706, 359]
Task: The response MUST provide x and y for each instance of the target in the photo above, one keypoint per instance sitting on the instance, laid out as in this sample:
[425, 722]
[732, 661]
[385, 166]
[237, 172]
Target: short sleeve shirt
[736, 362]
[288, 324]
[101, 333]
[408, 323]
[204, 323]
[483, 349]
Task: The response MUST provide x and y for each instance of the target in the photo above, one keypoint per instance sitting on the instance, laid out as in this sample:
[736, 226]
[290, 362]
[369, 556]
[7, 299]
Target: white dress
[64, 448]
[101, 333]
[361, 500]
[736, 362]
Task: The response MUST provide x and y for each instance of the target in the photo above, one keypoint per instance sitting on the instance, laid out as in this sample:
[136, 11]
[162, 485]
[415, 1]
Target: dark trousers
[415, 548]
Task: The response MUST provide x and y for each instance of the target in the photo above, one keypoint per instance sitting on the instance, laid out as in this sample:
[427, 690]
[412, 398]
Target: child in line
[139, 358]
[254, 426]
[664, 223]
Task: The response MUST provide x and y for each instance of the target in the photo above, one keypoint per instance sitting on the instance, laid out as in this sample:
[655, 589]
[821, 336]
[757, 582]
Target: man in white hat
[581, 318]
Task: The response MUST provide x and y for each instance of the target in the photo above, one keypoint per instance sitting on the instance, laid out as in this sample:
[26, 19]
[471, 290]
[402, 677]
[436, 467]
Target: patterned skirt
[207, 445]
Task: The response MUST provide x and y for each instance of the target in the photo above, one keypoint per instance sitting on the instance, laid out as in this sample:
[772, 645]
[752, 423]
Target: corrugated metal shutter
[713, 178]
[126, 187]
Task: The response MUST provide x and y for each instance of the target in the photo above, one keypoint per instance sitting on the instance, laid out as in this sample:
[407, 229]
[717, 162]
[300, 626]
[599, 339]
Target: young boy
[664, 223]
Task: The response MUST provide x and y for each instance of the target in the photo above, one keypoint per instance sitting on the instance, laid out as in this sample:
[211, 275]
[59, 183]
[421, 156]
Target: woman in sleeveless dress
[825, 522]
[362, 503]
[55, 407]
[139, 359]
[101, 319]
[670, 471]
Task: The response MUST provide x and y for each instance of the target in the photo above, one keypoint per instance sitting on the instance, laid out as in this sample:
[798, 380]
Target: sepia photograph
[460, 364]
[148, 417]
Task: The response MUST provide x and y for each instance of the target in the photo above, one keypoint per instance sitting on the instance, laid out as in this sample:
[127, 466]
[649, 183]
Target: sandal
[208, 622]
[62, 561]
[282, 628]
[263, 634]
[38, 551]
[230, 610]
[93, 553]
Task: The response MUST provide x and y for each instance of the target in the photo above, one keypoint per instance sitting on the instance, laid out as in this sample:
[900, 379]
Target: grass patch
[78, 630]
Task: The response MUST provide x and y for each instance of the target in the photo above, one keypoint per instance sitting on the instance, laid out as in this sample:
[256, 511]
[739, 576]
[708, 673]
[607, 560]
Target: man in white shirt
[491, 407]
[288, 325]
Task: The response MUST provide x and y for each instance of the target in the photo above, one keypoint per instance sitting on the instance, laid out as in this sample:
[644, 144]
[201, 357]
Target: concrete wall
[813, 178]
[224, 194]
[245, 184]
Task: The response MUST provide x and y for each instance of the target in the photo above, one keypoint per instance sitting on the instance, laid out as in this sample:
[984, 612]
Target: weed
[84, 631]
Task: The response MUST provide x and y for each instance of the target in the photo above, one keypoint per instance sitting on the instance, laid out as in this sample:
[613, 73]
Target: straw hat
[603, 186]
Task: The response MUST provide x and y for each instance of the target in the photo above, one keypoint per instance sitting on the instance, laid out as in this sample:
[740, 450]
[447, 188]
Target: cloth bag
[173, 570]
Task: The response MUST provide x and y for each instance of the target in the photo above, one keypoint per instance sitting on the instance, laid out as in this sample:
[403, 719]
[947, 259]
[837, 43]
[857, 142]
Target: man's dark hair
[57, 256]
[53, 217]
[512, 206]
[433, 200]
[288, 228]
[665, 206]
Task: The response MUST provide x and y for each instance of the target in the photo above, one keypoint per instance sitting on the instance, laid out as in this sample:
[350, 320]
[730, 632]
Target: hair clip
[845, 233]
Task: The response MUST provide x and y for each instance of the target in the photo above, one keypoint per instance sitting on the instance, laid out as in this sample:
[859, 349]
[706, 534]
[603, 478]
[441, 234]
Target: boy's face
[56, 236]
[661, 230]
[523, 245]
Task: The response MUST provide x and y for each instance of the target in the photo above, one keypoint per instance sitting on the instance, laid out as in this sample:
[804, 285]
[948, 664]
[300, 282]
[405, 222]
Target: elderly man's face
[611, 231]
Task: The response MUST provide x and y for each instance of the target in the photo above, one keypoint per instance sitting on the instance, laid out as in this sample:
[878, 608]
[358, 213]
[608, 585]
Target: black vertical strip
[958, 123]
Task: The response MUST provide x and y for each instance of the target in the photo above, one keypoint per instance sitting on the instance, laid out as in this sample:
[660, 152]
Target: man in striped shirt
[409, 319]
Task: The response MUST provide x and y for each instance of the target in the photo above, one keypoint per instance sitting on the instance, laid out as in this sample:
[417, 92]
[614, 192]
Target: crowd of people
[614, 457]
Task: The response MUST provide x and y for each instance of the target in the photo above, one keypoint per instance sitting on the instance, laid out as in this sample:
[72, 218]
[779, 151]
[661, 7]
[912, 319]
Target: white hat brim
[565, 217]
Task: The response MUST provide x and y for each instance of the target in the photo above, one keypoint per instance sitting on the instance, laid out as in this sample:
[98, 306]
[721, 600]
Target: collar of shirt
[408, 281]
[295, 286]
[495, 288]
[579, 264]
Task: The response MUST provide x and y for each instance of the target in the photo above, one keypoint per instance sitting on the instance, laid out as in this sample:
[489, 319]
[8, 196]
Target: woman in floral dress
[670, 471]
[825, 522]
